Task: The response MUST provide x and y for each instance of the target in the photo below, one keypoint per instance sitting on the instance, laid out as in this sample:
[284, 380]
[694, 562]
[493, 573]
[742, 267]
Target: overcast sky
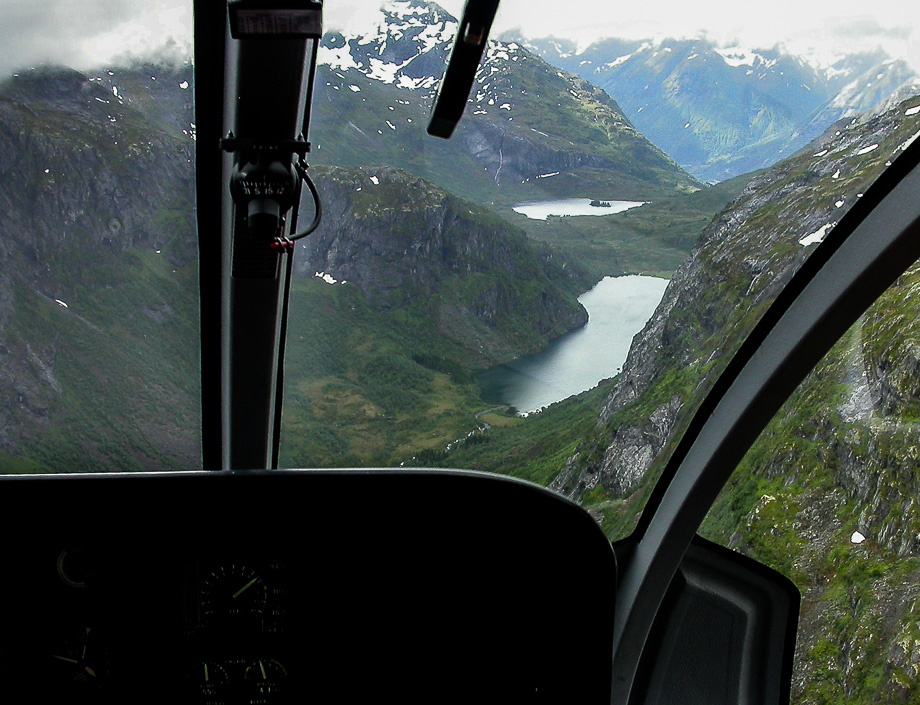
[88, 33]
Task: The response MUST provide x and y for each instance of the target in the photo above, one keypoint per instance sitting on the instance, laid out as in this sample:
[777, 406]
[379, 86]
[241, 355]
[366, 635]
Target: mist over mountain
[720, 112]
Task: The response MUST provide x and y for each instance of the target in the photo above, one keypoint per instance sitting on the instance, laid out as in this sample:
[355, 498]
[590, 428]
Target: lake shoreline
[618, 308]
[573, 207]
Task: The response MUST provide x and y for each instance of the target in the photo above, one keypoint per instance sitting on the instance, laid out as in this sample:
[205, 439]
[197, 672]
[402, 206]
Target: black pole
[268, 104]
[210, 186]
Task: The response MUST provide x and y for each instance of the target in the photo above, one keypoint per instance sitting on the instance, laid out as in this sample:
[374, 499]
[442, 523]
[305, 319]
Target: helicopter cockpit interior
[239, 582]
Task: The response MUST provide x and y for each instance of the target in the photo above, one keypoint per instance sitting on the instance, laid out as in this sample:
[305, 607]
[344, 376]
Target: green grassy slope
[366, 386]
[652, 239]
[122, 357]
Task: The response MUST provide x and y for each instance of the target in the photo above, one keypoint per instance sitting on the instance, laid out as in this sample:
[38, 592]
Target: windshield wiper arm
[454, 91]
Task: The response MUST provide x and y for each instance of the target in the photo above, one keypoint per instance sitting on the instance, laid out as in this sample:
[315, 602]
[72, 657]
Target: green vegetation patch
[366, 386]
[534, 448]
[652, 239]
[116, 362]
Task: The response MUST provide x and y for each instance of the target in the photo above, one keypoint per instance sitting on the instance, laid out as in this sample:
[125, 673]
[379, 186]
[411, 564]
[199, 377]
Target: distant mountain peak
[416, 8]
[407, 46]
[725, 110]
[524, 119]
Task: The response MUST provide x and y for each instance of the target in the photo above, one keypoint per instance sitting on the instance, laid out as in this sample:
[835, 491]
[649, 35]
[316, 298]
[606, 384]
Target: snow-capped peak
[738, 56]
[406, 45]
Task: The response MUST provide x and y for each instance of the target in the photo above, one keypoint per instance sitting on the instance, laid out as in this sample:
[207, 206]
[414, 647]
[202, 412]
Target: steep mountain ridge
[827, 493]
[94, 279]
[408, 244]
[748, 254]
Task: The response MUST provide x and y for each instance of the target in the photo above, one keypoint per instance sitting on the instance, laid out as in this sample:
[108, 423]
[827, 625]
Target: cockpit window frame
[874, 243]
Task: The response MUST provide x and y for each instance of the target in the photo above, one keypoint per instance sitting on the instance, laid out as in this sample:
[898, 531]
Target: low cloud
[94, 33]
[90, 33]
[866, 27]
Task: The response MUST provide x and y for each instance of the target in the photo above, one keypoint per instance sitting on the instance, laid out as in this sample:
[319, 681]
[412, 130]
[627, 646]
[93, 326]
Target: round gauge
[71, 568]
[265, 678]
[233, 591]
[79, 659]
[211, 678]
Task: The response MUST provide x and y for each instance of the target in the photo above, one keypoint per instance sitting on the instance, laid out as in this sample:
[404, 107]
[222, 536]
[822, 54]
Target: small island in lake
[600, 204]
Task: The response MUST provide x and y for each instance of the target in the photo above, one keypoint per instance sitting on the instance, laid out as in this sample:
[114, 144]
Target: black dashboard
[225, 588]
[93, 623]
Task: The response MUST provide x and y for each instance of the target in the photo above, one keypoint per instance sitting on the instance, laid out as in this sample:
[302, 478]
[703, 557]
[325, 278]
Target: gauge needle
[245, 588]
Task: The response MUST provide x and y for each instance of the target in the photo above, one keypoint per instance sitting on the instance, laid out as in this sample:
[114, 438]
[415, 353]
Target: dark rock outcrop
[406, 243]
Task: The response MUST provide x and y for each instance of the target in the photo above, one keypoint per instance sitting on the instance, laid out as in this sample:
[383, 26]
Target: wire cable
[317, 205]
[287, 246]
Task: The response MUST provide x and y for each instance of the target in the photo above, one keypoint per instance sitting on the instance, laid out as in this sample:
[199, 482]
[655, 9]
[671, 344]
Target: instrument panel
[299, 586]
[210, 629]
[236, 636]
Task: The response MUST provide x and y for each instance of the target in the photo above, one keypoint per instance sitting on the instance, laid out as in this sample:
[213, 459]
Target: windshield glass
[827, 496]
[439, 318]
[550, 294]
[99, 342]
[469, 303]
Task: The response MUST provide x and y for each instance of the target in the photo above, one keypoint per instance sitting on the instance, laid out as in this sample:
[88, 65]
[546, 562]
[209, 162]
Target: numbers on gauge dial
[266, 676]
[233, 590]
[211, 678]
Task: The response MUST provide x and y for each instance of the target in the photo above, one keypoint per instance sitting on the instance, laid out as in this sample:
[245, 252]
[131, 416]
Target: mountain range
[530, 130]
[720, 112]
[99, 301]
[76, 149]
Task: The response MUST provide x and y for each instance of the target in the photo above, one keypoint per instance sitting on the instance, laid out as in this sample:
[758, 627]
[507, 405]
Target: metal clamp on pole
[232, 144]
[252, 18]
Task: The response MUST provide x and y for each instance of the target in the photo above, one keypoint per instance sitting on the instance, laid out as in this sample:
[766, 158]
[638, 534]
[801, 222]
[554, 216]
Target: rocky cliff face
[827, 495]
[98, 245]
[407, 244]
[743, 259]
[830, 498]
